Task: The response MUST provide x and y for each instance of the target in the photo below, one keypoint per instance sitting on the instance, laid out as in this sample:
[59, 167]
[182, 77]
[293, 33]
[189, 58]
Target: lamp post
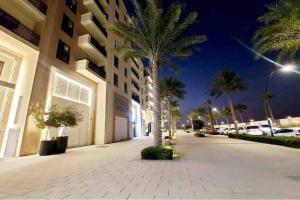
[285, 68]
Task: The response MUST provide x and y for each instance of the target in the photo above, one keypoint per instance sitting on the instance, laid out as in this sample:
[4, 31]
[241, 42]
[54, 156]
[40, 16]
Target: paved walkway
[212, 167]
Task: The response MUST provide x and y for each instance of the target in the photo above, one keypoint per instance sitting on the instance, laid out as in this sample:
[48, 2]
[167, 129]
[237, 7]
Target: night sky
[219, 20]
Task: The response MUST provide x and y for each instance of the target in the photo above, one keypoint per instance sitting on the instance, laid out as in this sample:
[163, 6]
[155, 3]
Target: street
[211, 167]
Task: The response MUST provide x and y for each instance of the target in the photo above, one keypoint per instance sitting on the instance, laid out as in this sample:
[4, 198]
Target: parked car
[253, 130]
[287, 132]
[265, 129]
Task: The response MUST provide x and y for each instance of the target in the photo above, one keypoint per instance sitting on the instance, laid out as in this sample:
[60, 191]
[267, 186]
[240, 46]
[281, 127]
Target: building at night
[60, 52]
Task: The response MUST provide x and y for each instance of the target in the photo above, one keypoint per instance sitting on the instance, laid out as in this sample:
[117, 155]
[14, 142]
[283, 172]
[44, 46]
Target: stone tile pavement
[209, 168]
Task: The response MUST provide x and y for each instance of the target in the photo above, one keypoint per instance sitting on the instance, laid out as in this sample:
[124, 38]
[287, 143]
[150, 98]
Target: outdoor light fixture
[251, 120]
[222, 122]
[215, 109]
[288, 68]
[199, 117]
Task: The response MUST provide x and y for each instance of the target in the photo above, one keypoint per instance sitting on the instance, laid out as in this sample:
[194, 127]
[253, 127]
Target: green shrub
[199, 135]
[283, 141]
[158, 153]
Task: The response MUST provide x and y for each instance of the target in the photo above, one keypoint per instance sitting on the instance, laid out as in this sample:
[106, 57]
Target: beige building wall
[109, 101]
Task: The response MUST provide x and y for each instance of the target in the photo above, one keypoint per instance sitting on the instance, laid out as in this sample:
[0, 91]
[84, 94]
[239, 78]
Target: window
[117, 15]
[116, 80]
[125, 72]
[116, 61]
[125, 88]
[63, 52]
[67, 25]
[72, 4]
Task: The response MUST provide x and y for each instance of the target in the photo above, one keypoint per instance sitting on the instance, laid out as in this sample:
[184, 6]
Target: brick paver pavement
[212, 167]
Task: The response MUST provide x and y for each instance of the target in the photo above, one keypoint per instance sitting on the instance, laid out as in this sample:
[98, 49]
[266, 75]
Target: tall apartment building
[59, 52]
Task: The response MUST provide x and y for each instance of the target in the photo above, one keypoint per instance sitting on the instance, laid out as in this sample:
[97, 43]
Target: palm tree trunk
[241, 116]
[169, 116]
[157, 134]
[232, 113]
[211, 119]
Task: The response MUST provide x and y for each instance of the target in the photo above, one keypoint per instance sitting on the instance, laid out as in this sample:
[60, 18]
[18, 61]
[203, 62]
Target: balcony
[91, 23]
[99, 10]
[135, 74]
[90, 46]
[135, 85]
[14, 26]
[90, 70]
[36, 9]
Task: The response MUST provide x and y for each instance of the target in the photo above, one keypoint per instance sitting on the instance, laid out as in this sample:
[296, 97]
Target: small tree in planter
[69, 117]
[56, 117]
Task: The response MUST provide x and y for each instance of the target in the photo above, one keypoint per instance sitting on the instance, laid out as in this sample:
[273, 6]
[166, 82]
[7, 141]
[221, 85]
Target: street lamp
[215, 109]
[251, 120]
[285, 68]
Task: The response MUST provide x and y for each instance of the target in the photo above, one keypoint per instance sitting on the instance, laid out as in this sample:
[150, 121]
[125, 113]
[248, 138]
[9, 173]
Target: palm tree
[225, 83]
[175, 115]
[197, 113]
[241, 108]
[226, 112]
[158, 36]
[171, 88]
[208, 104]
[268, 97]
[281, 29]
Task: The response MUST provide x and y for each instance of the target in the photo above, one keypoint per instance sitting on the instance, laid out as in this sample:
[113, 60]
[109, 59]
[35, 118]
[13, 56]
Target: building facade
[60, 52]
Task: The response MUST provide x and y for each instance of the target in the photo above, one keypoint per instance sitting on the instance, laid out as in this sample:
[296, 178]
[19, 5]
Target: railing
[135, 84]
[135, 63]
[98, 46]
[41, 6]
[16, 27]
[135, 73]
[101, 8]
[98, 24]
[100, 71]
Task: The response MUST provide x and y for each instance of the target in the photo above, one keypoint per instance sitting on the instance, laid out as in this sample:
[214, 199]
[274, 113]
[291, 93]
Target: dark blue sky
[219, 20]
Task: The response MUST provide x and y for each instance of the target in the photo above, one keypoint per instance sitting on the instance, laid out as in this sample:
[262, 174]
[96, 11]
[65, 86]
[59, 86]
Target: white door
[121, 128]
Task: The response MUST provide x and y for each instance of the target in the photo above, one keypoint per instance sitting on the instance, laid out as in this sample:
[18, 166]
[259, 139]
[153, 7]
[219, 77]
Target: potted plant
[69, 117]
[56, 118]
[47, 121]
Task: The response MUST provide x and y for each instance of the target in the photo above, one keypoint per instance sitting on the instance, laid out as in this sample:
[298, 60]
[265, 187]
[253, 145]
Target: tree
[175, 115]
[241, 108]
[268, 97]
[171, 88]
[226, 112]
[208, 104]
[158, 36]
[196, 114]
[225, 83]
[281, 29]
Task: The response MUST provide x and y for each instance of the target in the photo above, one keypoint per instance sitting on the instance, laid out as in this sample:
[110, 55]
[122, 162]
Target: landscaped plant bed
[283, 141]
[165, 152]
[199, 134]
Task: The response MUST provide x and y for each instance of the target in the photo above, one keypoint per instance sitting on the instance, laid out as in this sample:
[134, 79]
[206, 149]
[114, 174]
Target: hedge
[280, 140]
[158, 153]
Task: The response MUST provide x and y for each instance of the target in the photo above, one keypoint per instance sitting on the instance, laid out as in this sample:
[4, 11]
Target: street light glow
[288, 68]
[251, 120]
[215, 109]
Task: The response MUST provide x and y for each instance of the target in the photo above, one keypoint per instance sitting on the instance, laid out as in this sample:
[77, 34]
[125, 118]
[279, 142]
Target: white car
[265, 129]
[287, 132]
[253, 130]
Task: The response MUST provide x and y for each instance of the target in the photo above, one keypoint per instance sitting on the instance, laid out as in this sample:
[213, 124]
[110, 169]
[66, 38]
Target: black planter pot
[61, 144]
[47, 147]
